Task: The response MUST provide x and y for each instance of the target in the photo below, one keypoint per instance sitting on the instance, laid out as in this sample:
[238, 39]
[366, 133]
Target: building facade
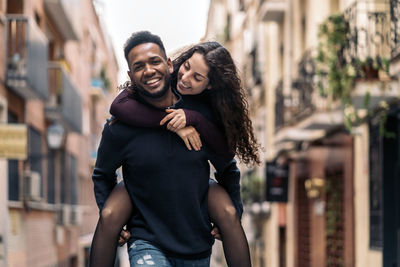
[322, 79]
[57, 78]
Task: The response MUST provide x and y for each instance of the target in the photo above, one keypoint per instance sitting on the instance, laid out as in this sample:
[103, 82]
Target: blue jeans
[143, 254]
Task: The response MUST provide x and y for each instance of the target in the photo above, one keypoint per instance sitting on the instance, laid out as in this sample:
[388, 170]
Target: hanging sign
[13, 141]
[277, 182]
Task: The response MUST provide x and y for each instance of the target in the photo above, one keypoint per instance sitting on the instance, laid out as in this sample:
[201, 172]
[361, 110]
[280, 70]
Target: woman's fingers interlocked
[176, 118]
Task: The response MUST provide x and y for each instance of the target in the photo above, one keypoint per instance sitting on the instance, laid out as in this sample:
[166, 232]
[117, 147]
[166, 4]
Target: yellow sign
[13, 141]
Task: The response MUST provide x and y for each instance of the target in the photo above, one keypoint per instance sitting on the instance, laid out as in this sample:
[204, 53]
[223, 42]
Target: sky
[177, 22]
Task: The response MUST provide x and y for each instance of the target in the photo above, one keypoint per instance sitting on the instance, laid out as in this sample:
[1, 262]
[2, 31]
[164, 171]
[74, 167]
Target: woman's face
[193, 76]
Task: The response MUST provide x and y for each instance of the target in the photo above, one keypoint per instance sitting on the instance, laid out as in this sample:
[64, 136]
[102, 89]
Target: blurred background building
[322, 79]
[58, 74]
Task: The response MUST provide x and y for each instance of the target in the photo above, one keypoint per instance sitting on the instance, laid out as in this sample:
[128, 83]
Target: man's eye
[137, 67]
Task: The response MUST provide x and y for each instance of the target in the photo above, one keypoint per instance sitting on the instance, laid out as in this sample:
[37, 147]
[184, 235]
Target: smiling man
[150, 71]
[166, 182]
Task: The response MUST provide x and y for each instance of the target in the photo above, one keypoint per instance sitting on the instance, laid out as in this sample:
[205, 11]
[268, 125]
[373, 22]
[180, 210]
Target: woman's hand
[191, 137]
[215, 232]
[124, 237]
[176, 118]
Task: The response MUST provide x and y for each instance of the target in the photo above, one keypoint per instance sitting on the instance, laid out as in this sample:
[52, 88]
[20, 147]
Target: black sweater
[167, 184]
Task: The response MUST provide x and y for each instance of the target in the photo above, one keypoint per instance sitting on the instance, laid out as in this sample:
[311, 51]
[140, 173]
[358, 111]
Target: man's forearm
[107, 162]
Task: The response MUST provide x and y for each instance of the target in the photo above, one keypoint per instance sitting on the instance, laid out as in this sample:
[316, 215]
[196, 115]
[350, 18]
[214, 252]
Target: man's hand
[191, 137]
[123, 237]
[176, 118]
[215, 233]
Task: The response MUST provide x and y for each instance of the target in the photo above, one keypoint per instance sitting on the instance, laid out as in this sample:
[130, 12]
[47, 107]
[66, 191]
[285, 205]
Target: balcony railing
[26, 69]
[395, 27]
[65, 102]
[369, 22]
[299, 105]
[303, 88]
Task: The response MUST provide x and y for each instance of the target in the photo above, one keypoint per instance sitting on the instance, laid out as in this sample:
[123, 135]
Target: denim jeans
[143, 254]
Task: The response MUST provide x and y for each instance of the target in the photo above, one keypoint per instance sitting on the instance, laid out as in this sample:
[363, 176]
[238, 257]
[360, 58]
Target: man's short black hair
[142, 37]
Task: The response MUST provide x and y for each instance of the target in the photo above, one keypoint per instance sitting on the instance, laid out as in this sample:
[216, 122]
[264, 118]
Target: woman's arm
[129, 111]
[212, 136]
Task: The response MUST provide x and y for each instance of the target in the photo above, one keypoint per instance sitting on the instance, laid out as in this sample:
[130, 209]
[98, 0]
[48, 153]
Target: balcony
[302, 116]
[369, 36]
[26, 69]
[299, 104]
[272, 10]
[303, 88]
[98, 88]
[61, 13]
[64, 103]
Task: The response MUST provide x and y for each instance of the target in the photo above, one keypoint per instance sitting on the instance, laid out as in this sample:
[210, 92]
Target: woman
[207, 71]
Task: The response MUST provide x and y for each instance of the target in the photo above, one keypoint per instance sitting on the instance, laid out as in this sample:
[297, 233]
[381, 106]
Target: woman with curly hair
[205, 73]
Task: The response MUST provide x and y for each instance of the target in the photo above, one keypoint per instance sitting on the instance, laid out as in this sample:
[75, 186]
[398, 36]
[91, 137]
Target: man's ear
[130, 75]
[170, 66]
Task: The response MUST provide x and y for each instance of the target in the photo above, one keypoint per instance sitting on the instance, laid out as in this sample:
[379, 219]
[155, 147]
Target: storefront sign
[13, 141]
[277, 182]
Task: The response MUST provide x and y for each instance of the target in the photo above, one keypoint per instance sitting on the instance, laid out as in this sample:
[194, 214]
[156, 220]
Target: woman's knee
[230, 214]
[225, 215]
[110, 217]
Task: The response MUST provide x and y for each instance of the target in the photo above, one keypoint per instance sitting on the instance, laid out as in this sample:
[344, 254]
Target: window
[375, 187]
[51, 195]
[69, 179]
[13, 172]
[74, 180]
[64, 179]
[35, 153]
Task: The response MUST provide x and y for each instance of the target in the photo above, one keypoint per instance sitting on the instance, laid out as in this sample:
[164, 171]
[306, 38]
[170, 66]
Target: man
[166, 182]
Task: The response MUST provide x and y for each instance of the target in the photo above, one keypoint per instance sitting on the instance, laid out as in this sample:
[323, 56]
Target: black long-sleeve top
[167, 183]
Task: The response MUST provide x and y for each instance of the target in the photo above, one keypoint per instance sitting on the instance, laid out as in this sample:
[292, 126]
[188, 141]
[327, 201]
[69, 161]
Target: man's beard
[144, 93]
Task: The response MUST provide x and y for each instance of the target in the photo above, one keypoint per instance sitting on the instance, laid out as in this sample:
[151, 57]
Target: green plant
[337, 71]
[104, 78]
[252, 188]
[331, 62]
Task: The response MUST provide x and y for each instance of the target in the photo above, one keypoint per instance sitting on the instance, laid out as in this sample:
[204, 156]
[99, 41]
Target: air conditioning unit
[64, 215]
[32, 186]
[76, 215]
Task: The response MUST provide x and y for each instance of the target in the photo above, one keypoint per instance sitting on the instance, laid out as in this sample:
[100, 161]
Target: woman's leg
[115, 214]
[223, 214]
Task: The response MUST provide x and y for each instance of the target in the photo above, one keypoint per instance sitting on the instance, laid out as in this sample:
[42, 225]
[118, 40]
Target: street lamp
[55, 135]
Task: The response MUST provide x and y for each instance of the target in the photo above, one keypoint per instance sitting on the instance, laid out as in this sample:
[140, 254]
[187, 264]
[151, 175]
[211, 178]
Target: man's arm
[228, 176]
[109, 159]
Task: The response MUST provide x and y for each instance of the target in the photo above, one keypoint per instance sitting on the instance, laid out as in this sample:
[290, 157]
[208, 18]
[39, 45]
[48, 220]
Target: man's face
[149, 71]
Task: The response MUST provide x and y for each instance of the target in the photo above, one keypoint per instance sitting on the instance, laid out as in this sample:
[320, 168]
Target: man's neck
[169, 99]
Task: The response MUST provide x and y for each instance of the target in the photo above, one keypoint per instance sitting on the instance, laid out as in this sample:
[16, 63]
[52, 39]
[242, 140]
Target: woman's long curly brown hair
[227, 98]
